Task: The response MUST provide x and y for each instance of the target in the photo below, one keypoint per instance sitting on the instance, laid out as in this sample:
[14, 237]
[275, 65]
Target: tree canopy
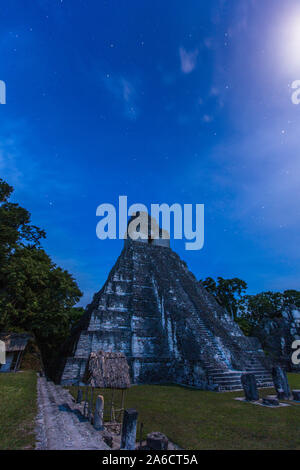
[35, 294]
[227, 292]
[253, 309]
[249, 311]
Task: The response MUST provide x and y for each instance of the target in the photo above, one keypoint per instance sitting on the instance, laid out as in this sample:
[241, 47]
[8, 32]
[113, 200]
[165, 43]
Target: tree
[15, 228]
[249, 311]
[35, 295]
[227, 292]
[254, 309]
[292, 297]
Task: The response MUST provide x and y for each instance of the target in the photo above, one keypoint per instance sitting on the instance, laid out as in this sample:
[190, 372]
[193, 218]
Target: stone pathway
[60, 425]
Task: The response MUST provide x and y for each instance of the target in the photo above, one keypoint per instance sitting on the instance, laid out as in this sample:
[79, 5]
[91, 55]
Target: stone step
[222, 369]
[215, 365]
[265, 385]
[264, 375]
[253, 362]
[227, 373]
[254, 366]
[228, 382]
[233, 388]
[236, 379]
[217, 372]
[265, 381]
[230, 388]
[225, 380]
[213, 369]
[269, 377]
[231, 380]
[225, 377]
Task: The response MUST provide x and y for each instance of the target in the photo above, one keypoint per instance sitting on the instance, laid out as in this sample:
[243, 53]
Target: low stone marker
[128, 437]
[85, 401]
[98, 415]
[281, 383]
[270, 400]
[296, 395]
[157, 441]
[90, 405]
[250, 387]
[79, 396]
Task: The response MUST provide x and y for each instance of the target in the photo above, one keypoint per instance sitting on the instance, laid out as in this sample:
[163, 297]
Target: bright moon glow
[290, 42]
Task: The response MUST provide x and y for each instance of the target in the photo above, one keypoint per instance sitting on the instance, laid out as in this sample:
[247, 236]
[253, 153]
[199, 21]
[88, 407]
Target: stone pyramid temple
[171, 330]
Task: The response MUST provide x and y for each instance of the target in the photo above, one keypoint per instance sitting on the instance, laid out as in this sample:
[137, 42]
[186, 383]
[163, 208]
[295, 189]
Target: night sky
[162, 101]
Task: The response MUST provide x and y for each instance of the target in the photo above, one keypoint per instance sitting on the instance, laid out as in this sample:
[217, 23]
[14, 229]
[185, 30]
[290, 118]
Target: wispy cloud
[125, 92]
[188, 60]
[207, 118]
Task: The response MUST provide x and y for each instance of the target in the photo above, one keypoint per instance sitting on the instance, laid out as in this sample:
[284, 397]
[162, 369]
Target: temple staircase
[222, 375]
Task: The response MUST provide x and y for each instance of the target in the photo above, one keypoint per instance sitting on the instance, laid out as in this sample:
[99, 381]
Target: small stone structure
[250, 387]
[270, 400]
[157, 441]
[281, 383]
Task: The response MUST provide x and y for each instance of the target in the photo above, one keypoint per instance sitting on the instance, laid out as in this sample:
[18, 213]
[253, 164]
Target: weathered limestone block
[281, 383]
[250, 387]
[98, 415]
[107, 437]
[79, 396]
[296, 395]
[157, 441]
[270, 400]
[128, 436]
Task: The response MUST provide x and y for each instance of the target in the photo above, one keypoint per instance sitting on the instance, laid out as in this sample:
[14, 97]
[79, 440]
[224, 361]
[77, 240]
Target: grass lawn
[196, 419]
[18, 409]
